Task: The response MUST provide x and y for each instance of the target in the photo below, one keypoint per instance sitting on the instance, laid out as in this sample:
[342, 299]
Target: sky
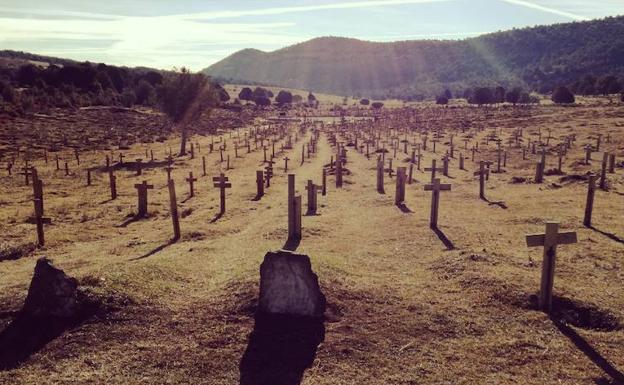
[170, 34]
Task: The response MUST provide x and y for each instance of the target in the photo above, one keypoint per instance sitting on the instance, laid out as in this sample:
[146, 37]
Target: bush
[364, 102]
[6, 92]
[128, 98]
[311, 98]
[482, 95]
[262, 101]
[513, 96]
[245, 94]
[284, 97]
[144, 93]
[442, 100]
[562, 95]
[377, 105]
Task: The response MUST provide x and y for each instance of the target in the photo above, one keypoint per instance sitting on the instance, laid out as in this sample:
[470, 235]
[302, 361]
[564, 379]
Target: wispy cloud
[307, 8]
[543, 8]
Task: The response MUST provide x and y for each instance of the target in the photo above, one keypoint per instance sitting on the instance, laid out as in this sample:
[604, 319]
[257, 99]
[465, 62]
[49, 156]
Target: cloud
[306, 8]
[542, 8]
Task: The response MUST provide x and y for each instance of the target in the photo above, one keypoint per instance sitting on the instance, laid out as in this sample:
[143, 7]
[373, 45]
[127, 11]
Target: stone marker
[549, 240]
[289, 286]
[52, 294]
[294, 210]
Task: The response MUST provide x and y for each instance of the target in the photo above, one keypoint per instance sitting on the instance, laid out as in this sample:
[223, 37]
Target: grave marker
[173, 207]
[142, 197]
[549, 241]
[221, 182]
[191, 181]
[435, 187]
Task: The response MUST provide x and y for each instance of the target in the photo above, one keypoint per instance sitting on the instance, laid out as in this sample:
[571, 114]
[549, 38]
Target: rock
[52, 293]
[289, 286]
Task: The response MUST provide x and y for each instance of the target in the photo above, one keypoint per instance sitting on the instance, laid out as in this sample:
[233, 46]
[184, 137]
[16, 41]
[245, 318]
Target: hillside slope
[537, 58]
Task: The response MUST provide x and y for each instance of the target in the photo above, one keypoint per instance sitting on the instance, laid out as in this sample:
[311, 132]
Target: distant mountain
[538, 58]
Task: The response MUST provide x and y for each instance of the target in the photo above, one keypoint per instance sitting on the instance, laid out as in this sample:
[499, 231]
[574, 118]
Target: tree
[284, 97]
[364, 102]
[442, 100]
[223, 94]
[609, 85]
[6, 92]
[482, 95]
[297, 99]
[128, 98]
[144, 93]
[499, 94]
[184, 96]
[513, 96]
[562, 95]
[259, 91]
[245, 94]
[377, 105]
[448, 95]
[311, 98]
[262, 101]
[622, 97]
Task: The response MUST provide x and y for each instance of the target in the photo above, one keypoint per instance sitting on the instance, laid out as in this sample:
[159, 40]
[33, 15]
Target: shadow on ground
[280, 349]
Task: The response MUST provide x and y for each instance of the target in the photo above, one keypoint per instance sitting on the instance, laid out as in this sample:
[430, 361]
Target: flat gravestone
[289, 286]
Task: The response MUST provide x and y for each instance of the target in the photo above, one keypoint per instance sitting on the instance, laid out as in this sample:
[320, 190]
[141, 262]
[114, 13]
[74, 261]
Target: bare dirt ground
[406, 305]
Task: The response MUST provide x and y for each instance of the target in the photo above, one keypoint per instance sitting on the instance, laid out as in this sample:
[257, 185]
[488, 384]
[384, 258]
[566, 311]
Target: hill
[537, 58]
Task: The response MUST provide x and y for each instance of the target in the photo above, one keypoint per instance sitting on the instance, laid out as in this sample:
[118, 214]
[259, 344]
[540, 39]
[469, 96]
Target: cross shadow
[608, 235]
[216, 217]
[590, 352]
[26, 335]
[280, 349]
[447, 242]
[500, 204]
[292, 244]
[404, 209]
[156, 250]
[257, 197]
[188, 198]
[132, 219]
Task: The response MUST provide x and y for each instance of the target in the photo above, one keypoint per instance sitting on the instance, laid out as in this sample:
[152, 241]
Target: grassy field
[406, 305]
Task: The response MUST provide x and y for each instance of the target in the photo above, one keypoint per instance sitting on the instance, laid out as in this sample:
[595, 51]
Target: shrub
[262, 101]
[284, 97]
[128, 98]
[442, 100]
[6, 92]
[482, 95]
[245, 94]
[562, 95]
[144, 93]
[377, 105]
[513, 96]
[364, 102]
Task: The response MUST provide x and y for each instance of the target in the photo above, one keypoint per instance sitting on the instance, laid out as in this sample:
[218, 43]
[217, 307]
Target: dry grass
[403, 309]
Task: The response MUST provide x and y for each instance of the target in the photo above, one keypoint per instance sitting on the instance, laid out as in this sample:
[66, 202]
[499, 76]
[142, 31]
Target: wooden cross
[259, 183]
[26, 172]
[168, 170]
[482, 171]
[142, 197]
[121, 157]
[549, 240]
[435, 187]
[589, 205]
[112, 181]
[338, 172]
[294, 210]
[221, 182]
[603, 172]
[173, 206]
[399, 196]
[138, 166]
[191, 181]
[313, 190]
[433, 169]
[269, 172]
[286, 159]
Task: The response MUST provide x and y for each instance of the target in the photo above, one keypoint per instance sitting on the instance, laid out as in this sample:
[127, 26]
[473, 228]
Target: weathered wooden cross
[142, 197]
[222, 183]
[191, 181]
[435, 187]
[549, 240]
